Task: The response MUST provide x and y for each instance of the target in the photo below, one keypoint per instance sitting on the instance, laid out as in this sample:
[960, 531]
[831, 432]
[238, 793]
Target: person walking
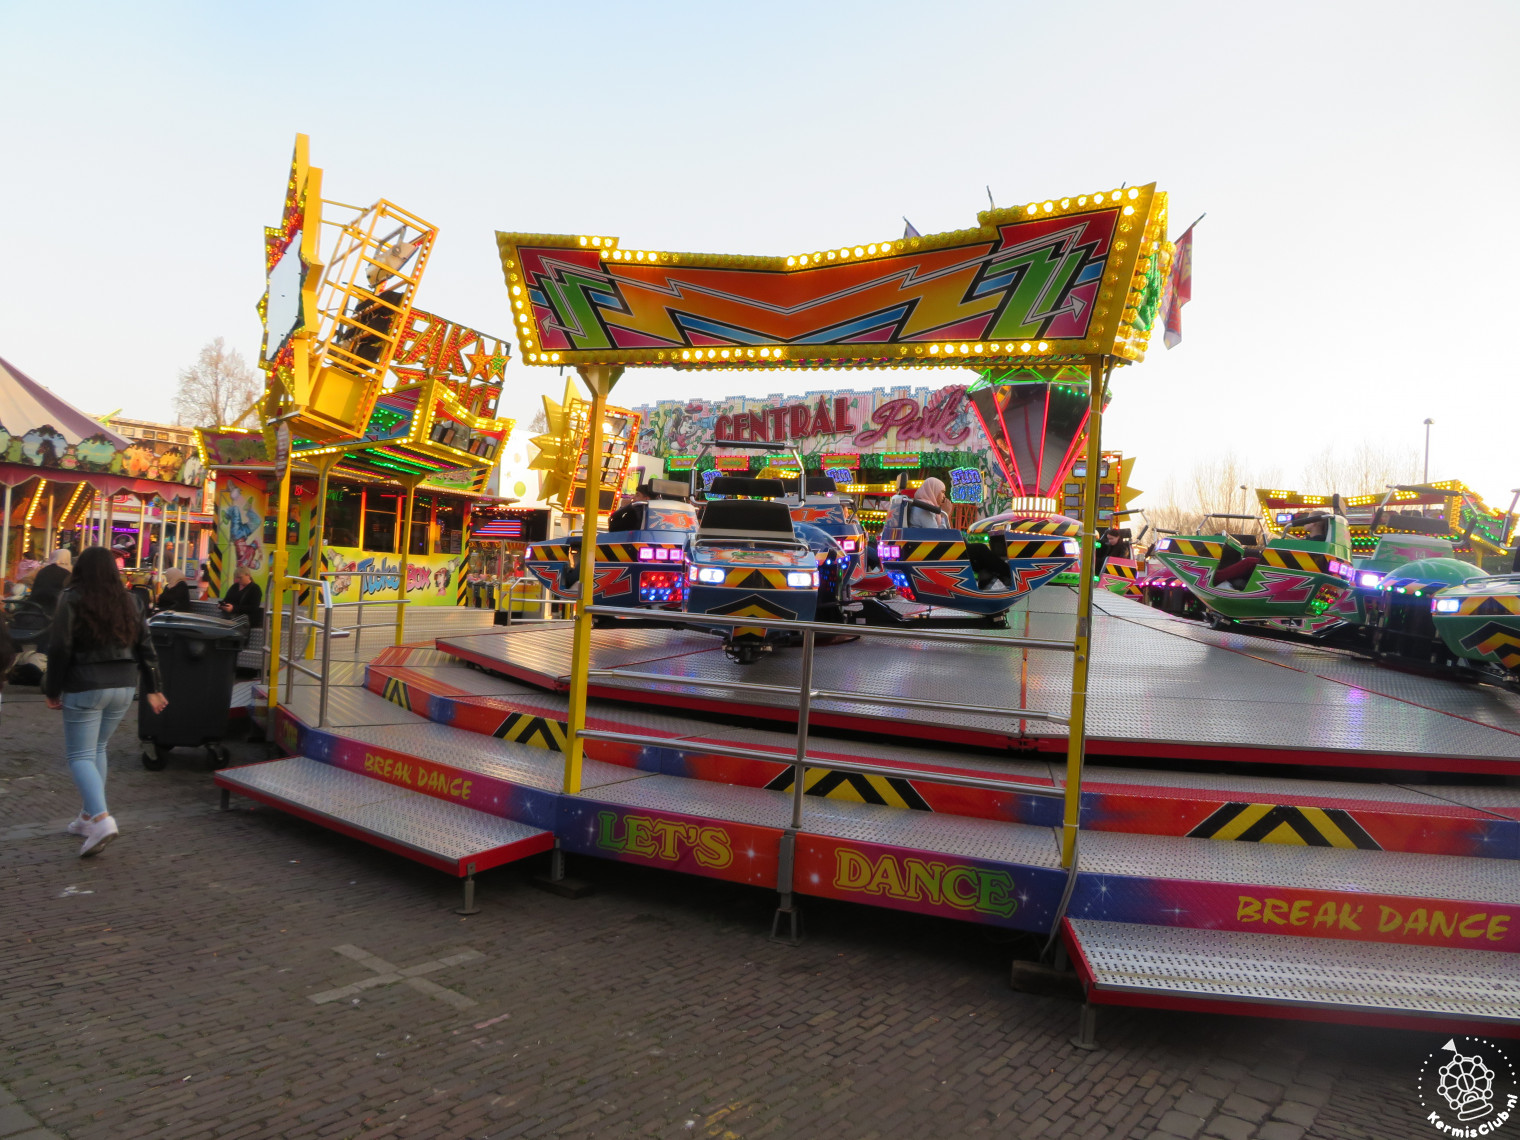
[98, 648]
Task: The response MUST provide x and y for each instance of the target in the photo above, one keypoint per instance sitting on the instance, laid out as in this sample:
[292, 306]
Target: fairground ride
[1054, 293]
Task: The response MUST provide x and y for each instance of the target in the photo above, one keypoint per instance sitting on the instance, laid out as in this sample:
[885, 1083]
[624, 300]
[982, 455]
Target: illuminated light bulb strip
[36, 498]
[1128, 294]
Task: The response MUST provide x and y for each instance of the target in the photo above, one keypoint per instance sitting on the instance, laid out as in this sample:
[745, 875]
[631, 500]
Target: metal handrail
[546, 603]
[805, 693]
[854, 630]
[681, 744]
[830, 694]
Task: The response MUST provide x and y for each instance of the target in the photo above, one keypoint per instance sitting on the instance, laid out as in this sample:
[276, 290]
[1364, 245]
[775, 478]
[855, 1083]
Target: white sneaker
[97, 833]
[77, 825]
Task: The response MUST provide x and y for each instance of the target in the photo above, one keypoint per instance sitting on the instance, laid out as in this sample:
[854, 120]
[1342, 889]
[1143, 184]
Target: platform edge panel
[1254, 974]
[383, 815]
[1392, 819]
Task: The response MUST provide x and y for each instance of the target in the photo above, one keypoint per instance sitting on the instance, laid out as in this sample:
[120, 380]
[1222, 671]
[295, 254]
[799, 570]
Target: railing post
[289, 658]
[804, 709]
[327, 620]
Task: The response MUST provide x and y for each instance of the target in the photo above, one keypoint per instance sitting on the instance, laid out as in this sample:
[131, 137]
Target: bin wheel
[152, 759]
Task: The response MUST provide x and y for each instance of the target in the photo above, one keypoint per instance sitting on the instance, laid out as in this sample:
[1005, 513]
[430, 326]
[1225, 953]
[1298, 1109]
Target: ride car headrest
[666, 489]
[742, 485]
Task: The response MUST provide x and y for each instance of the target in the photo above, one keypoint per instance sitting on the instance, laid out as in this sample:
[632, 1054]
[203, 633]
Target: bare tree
[1368, 470]
[539, 424]
[216, 388]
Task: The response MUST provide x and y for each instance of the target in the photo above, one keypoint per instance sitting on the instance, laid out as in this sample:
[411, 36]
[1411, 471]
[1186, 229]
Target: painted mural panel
[431, 579]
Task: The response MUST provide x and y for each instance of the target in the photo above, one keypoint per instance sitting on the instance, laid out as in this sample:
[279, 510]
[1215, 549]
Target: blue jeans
[89, 719]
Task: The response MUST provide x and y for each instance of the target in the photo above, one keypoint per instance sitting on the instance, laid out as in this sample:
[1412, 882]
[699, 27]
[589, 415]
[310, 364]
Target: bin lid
[197, 627]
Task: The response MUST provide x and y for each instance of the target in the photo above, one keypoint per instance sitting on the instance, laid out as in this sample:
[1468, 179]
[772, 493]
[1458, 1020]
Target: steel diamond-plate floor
[1161, 687]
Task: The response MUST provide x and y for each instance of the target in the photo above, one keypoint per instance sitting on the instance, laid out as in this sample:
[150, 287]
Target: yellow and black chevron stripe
[1306, 560]
[462, 585]
[617, 552]
[1282, 823]
[1197, 547]
[534, 731]
[932, 552]
[1494, 604]
[395, 691]
[1042, 549]
[303, 592]
[1493, 639]
[215, 570]
[551, 552]
[1122, 570]
[1051, 526]
[750, 578]
[884, 791]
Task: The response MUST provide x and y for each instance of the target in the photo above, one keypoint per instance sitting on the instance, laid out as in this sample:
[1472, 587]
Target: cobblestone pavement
[245, 974]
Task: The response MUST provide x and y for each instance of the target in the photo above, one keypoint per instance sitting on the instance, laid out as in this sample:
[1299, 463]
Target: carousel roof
[26, 404]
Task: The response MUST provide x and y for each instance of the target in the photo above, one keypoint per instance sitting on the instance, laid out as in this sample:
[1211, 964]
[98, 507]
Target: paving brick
[1180, 1124]
[1245, 1107]
[1279, 1130]
[14, 1119]
[1195, 1105]
[1230, 1128]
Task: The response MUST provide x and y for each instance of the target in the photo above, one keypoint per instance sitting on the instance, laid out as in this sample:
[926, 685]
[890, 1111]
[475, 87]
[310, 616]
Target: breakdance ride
[1089, 775]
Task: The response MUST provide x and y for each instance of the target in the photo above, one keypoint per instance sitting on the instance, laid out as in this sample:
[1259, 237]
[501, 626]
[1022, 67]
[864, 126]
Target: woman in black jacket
[98, 647]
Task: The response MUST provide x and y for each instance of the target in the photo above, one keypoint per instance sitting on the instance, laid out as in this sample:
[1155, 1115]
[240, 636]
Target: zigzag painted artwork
[1043, 280]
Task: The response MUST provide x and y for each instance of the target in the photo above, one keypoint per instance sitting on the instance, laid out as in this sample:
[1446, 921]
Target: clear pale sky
[1358, 163]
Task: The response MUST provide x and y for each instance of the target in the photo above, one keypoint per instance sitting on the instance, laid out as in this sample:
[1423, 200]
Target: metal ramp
[1274, 975]
[446, 836]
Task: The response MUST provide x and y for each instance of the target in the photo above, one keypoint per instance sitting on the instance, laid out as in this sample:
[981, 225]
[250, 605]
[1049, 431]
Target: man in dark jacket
[244, 597]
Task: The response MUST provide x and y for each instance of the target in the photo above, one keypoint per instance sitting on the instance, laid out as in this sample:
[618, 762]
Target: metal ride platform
[1161, 688]
[1264, 928]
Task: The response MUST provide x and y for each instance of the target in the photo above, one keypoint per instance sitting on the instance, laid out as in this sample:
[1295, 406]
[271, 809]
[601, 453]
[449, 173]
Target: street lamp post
[1426, 477]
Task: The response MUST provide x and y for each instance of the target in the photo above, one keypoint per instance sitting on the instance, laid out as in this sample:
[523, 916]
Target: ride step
[1277, 975]
[445, 836]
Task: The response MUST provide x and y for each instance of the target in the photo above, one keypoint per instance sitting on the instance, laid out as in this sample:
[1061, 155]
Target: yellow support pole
[273, 608]
[599, 378]
[405, 544]
[1076, 736]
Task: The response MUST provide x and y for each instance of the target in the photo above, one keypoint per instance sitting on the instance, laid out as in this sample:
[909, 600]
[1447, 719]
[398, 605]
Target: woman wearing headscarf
[52, 579]
[176, 592]
[929, 507]
[98, 648]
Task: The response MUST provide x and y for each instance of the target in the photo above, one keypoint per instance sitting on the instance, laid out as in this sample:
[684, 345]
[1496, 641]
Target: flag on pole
[1179, 288]
[909, 231]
